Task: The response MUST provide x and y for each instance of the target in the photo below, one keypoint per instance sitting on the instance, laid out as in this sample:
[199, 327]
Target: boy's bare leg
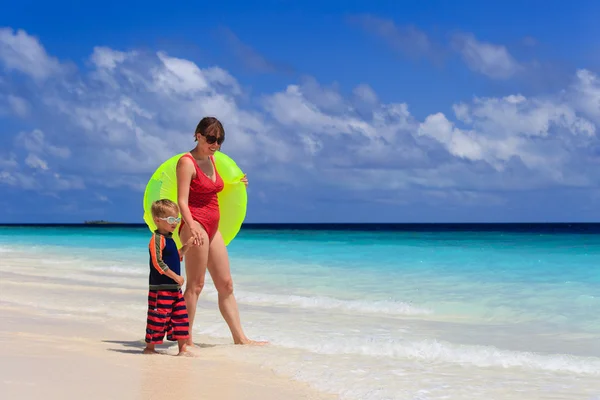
[150, 349]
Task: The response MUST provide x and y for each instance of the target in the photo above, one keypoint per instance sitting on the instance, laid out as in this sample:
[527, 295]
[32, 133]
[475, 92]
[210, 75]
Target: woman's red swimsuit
[202, 199]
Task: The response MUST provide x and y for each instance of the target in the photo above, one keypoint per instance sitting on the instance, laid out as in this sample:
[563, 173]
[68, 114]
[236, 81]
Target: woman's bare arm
[185, 173]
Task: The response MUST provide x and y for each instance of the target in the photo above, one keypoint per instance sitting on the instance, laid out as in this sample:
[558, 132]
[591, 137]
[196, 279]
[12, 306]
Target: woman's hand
[244, 180]
[197, 235]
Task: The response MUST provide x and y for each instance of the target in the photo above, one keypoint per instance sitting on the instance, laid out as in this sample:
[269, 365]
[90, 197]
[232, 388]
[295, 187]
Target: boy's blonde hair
[160, 208]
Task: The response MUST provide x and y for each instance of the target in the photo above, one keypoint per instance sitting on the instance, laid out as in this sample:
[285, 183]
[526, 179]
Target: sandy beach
[50, 358]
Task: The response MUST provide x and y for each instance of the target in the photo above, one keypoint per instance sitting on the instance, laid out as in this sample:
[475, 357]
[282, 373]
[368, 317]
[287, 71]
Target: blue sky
[339, 112]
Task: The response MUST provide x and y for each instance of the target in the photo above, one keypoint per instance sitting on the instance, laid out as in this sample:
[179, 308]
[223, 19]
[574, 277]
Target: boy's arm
[172, 275]
[157, 244]
[184, 250]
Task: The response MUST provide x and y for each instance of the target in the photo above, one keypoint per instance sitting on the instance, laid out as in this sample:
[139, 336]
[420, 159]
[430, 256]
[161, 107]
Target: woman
[198, 183]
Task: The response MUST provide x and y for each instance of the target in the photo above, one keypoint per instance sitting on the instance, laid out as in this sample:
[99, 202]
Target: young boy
[167, 312]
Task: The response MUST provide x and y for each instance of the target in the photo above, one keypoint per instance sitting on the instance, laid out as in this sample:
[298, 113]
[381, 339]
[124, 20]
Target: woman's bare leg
[196, 260]
[218, 267]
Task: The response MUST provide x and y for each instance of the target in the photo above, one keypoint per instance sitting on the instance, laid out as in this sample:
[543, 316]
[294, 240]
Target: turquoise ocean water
[424, 313]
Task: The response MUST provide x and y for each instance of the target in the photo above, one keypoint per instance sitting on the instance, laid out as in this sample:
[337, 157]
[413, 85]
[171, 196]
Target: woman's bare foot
[250, 342]
[190, 350]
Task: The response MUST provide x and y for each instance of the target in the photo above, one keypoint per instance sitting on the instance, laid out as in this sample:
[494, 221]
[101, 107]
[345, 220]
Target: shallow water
[366, 315]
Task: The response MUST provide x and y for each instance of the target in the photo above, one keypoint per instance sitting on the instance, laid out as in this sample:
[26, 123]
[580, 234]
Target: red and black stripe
[167, 314]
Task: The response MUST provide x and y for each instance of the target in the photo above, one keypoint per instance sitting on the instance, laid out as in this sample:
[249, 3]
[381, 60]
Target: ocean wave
[444, 352]
[328, 303]
[116, 270]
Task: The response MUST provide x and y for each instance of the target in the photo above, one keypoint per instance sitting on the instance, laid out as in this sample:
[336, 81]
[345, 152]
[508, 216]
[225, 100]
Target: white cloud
[460, 143]
[106, 58]
[34, 161]
[492, 60]
[18, 179]
[538, 132]
[35, 143]
[365, 93]
[488, 59]
[22, 52]
[293, 109]
[35, 172]
[179, 76]
[8, 161]
[12, 105]
[132, 110]
[407, 39]
[18, 105]
[585, 94]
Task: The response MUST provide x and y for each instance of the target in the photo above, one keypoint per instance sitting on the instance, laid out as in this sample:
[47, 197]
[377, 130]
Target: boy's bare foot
[148, 350]
[186, 353]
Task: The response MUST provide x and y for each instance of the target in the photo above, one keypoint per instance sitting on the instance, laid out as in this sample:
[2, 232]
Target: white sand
[49, 358]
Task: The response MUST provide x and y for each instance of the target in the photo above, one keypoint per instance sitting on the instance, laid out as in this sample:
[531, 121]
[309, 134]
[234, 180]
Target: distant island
[100, 222]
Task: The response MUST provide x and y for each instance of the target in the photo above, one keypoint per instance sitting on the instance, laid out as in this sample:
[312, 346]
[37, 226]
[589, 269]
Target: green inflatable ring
[233, 198]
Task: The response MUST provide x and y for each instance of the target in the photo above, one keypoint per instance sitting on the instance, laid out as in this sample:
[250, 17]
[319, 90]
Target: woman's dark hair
[209, 126]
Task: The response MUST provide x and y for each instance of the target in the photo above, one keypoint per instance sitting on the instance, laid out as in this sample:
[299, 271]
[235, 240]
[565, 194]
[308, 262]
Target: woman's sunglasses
[210, 139]
[171, 220]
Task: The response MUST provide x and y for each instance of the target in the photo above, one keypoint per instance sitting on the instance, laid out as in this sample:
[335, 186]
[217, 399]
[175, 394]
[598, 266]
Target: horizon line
[105, 223]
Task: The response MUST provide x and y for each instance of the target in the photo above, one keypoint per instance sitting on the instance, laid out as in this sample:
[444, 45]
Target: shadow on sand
[137, 346]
